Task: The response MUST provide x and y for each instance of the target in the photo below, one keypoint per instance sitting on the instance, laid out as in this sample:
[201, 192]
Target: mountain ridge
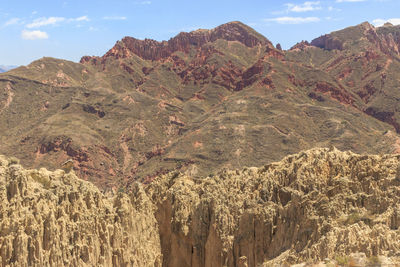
[197, 110]
[154, 50]
[362, 48]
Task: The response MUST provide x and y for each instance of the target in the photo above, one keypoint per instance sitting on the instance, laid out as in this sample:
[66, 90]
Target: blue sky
[69, 29]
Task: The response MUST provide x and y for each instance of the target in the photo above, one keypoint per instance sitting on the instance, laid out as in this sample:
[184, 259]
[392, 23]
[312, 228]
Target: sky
[70, 29]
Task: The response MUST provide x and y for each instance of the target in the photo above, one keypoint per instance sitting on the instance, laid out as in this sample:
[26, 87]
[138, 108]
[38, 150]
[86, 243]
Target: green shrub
[356, 217]
[374, 261]
[353, 218]
[41, 179]
[13, 160]
[342, 260]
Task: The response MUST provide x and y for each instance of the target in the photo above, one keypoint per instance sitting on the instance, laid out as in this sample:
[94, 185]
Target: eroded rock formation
[153, 50]
[314, 205]
[311, 206]
[55, 219]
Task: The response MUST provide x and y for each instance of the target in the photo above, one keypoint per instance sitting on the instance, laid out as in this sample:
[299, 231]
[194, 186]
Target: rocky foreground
[321, 205]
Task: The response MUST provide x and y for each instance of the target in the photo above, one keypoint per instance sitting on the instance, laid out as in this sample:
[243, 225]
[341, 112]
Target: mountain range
[203, 101]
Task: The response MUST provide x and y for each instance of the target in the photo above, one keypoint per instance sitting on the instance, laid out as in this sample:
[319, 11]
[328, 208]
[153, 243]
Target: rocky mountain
[318, 205]
[202, 101]
[365, 60]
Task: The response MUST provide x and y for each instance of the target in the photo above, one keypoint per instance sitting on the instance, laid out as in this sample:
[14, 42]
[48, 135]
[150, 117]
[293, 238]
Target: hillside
[318, 205]
[200, 102]
[365, 60]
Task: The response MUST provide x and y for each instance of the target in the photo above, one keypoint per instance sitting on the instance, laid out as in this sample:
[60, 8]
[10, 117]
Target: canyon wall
[55, 219]
[317, 204]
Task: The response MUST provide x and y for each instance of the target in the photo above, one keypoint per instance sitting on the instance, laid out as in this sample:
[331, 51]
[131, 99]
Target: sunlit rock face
[316, 205]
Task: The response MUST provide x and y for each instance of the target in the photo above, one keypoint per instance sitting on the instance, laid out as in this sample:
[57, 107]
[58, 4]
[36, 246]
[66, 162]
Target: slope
[202, 101]
[365, 60]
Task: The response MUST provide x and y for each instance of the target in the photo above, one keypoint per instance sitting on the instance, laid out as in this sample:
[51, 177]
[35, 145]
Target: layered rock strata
[153, 50]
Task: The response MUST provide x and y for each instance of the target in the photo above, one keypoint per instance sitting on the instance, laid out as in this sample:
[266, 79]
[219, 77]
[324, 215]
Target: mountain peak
[238, 31]
[366, 25]
[388, 24]
[154, 50]
[338, 39]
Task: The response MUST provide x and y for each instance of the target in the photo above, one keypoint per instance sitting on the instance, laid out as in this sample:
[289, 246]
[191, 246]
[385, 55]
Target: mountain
[6, 68]
[207, 100]
[318, 205]
[366, 61]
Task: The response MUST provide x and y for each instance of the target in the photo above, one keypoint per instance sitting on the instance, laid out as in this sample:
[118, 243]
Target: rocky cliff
[314, 205]
[153, 50]
[55, 219]
[365, 60]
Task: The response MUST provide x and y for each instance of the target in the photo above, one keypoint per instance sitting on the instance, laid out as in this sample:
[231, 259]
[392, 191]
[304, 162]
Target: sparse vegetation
[355, 217]
[121, 190]
[42, 179]
[241, 104]
[374, 261]
[13, 160]
[342, 260]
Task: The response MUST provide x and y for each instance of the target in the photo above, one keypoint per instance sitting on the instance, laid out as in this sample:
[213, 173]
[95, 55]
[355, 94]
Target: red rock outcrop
[385, 116]
[153, 50]
[336, 92]
[301, 46]
[327, 42]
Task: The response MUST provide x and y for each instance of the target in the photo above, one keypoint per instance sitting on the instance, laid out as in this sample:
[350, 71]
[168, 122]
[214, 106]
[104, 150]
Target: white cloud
[293, 20]
[37, 23]
[331, 8]
[380, 22]
[83, 18]
[144, 3]
[306, 6]
[342, 1]
[12, 21]
[34, 35]
[40, 22]
[115, 18]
